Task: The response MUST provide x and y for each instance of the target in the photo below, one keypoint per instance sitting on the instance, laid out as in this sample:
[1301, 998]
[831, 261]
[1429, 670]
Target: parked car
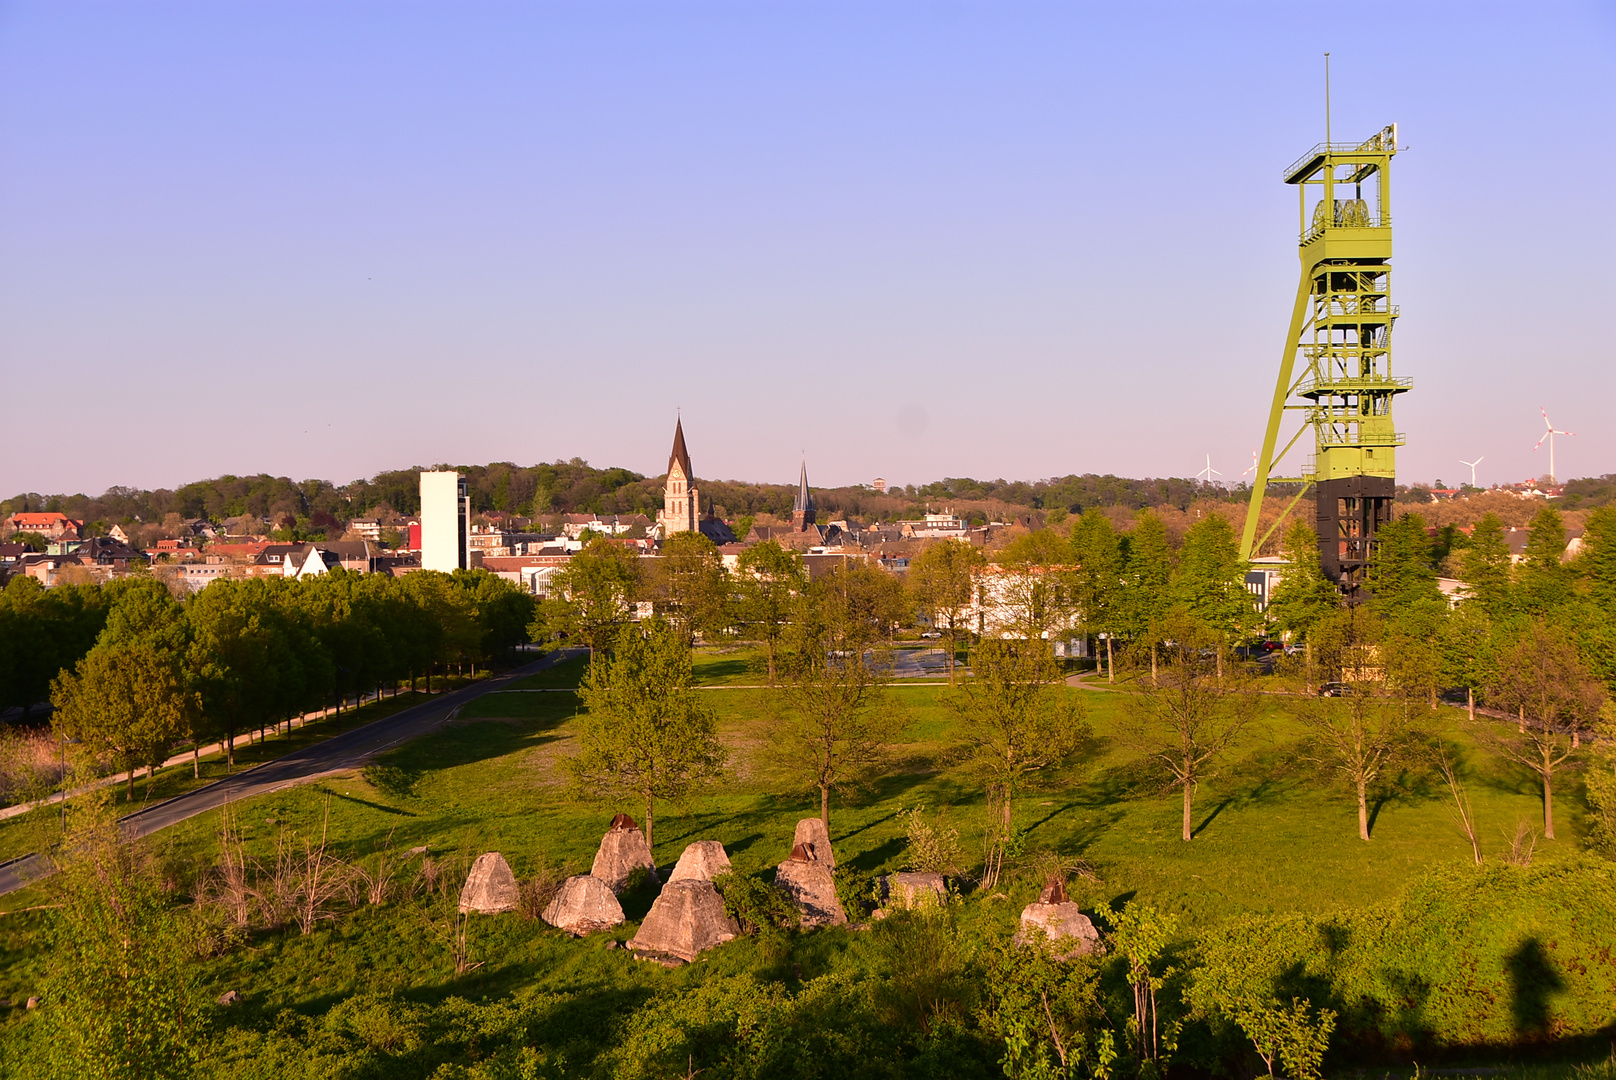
[1333, 689]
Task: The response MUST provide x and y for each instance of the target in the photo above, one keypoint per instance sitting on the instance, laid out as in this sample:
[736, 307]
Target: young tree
[126, 701]
[1362, 734]
[834, 724]
[941, 580]
[1099, 581]
[1304, 597]
[1016, 721]
[1192, 715]
[1148, 596]
[1413, 652]
[1210, 583]
[122, 1002]
[767, 585]
[687, 585]
[1485, 565]
[1032, 588]
[646, 733]
[1542, 680]
[592, 596]
[860, 605]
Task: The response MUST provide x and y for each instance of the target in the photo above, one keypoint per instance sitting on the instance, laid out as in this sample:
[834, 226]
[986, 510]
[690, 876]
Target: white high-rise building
[445, 521]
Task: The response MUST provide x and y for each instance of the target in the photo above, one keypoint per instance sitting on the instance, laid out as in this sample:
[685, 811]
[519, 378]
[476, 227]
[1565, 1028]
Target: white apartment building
[445, 522]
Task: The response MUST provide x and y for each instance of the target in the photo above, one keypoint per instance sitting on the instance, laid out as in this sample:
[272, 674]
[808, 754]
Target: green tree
[126, 701]
[1485, 564]
[1140, 936]
[688, 585]
[1148, 597]
[1602, 782]
[1304, 597]
[1401, 570]
[1099, 581]
[860, 605]
[501, 612]
[1210, 582]
[1540, 678]
[647, 733]
[769, 579]
[1192, 714]
[834, 724]
[1363, 734]
[941, 581]
[1544, 580]
[1016, 721]
[121, 1000]
[1597, 563]
[592, 596]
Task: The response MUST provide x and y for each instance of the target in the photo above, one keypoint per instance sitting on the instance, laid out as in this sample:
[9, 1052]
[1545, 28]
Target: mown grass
[1274, 833]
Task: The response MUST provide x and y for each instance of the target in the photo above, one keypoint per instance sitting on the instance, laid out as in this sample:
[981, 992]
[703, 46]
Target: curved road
[349, 750]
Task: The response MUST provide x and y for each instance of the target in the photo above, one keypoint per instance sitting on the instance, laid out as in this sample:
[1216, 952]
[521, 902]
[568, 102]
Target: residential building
[366, 529]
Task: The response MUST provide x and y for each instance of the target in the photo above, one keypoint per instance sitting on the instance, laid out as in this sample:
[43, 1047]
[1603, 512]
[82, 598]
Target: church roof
[805, 498]
[680, 454]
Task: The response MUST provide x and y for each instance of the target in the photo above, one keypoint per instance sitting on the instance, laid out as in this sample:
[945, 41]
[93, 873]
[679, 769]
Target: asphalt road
[349, 750]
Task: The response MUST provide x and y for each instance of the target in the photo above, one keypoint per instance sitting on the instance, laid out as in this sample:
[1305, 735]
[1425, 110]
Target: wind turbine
[1473, 465]
[1549, 435]
[1209, 472]
[1251, 470]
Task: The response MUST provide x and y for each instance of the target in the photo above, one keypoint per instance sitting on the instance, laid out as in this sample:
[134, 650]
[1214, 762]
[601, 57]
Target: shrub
[933, 847]
[1490, 955]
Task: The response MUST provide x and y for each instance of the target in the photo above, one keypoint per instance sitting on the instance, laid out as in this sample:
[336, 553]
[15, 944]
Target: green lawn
[1274, 833]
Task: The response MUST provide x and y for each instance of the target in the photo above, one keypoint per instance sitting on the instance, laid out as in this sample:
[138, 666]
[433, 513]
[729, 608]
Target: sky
[908, 240]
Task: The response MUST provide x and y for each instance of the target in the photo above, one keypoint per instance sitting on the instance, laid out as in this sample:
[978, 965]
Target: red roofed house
[49, 524]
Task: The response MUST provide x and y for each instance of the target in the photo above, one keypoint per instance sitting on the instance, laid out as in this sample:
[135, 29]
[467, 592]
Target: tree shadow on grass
[470, 743]
[712, 671]
[1223, 804]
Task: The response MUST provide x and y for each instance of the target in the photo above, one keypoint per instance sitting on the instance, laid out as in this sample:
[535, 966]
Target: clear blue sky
[913, 239]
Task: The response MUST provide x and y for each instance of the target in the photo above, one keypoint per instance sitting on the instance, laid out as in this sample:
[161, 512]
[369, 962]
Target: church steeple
[680, 456]
[681, 502]
[803, 511]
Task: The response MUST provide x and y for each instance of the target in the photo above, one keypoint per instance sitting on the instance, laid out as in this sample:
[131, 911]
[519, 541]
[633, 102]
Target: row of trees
[242, 655]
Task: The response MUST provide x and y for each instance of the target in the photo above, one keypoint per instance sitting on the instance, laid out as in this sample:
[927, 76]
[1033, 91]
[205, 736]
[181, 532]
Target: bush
[933, 847]
[1491, 955]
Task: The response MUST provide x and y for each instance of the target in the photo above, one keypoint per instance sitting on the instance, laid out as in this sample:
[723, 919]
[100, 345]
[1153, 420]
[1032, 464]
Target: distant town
[524, 525]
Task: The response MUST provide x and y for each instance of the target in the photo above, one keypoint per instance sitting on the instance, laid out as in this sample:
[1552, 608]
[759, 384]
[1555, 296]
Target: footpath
[340, 753]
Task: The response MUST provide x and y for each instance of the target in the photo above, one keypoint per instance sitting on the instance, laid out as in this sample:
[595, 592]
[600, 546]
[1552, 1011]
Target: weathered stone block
[701, 861]
[686, 919]
[490, 887]
[584, 905]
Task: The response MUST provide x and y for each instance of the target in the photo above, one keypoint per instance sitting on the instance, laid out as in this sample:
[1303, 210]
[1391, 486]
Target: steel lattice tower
[1341, 331]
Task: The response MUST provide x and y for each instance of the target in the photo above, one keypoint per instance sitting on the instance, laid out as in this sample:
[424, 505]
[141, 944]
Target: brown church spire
[680, 455]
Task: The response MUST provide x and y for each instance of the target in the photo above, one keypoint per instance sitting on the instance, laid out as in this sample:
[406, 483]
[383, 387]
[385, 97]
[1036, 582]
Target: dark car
[1333, 689]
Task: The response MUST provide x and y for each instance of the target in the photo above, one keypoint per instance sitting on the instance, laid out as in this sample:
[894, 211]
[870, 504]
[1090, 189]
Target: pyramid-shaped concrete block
[490, 887]
[584, 905]
[622, 850]
[812, 836]
[701, 861]
[686, 919]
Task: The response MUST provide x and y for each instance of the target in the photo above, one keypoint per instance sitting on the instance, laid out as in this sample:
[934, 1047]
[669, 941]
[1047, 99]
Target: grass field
[1274, 833]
